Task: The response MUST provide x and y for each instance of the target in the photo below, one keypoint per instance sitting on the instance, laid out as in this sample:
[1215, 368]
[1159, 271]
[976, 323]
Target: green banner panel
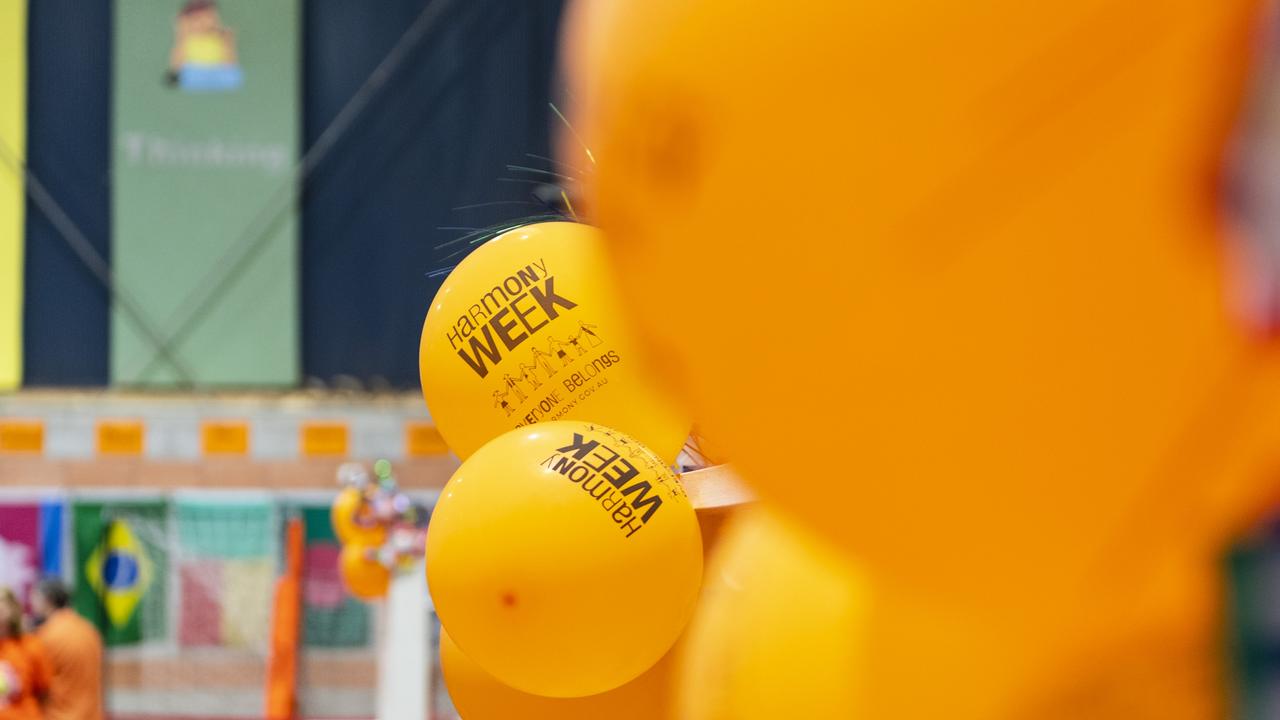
[204, 235]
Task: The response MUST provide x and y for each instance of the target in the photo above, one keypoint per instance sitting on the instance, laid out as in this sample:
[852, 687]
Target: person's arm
[41, 670]
[233, 53]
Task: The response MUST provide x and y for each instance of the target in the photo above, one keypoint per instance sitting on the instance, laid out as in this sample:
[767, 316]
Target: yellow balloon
[476, 695]
[564, 558]
[780, 632]
[344, 515]
[364, 576]
[528, 329]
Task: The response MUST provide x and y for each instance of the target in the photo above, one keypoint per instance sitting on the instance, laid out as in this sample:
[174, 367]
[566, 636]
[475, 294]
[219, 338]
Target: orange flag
[282, 665]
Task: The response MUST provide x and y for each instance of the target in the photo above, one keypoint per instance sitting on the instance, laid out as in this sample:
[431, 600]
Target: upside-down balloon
[477, 696]
[958, 277]
[528, 329]
[564, 558]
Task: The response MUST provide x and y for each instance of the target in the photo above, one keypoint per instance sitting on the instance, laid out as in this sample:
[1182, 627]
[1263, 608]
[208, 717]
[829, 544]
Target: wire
[254, 239]
[89, 256]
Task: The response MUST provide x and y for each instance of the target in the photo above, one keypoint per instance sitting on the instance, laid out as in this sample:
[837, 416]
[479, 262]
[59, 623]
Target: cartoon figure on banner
[394, 528]
[204, 56]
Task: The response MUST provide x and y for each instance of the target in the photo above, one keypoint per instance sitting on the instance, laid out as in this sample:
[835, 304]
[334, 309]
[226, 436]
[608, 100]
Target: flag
[226, 564]
[282, 664]
[331, 618]
[122, 569]
[30, 543]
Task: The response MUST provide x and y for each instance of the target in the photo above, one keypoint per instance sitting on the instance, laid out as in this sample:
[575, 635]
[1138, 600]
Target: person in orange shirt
[24, 672]
[74, 651]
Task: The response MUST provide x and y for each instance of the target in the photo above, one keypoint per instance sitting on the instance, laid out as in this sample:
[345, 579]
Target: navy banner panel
[470, 99]
[65, 312]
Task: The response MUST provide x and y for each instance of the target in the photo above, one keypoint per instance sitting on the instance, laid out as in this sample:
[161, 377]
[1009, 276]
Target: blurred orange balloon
[780, 632]
[528, 329]
[364, 576]
[980, 280]
[564, 558]
[477, 696]
[959, 287]
[343, 515]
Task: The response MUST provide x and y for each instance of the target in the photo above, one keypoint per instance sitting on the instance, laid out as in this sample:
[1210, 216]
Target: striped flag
[30, 543]
[226, 565]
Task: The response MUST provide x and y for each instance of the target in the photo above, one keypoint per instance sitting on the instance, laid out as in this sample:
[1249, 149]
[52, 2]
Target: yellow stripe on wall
[13, 136]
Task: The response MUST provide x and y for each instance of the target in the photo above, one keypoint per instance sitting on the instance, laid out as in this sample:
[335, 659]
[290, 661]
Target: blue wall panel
[470, 99]
[65, 315]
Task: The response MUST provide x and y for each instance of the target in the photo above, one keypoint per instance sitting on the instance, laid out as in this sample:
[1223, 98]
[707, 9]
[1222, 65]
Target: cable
[87, 254]
[254, 240]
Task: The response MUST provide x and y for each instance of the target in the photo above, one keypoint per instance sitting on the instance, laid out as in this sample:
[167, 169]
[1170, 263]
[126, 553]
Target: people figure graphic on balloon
[528, 374]
[513, 387]
[558, 347]
[500, 400]
[543, 360]
[588, 329]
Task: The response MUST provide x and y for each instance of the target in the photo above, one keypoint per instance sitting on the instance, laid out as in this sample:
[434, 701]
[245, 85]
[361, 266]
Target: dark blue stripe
[65, 314]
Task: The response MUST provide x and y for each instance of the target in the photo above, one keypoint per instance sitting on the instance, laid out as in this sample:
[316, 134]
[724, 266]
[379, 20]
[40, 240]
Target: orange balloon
[528, 329]
[958, 287]
[345, 517]
[478, 696]
[544, 533]
[364, 576]
[987, 283]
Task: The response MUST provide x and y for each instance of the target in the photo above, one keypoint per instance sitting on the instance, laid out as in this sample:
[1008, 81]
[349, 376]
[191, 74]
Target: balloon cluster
[564, 557]
[380, 528]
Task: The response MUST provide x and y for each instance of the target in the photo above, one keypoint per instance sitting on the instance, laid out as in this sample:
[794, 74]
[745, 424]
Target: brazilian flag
[122, 569]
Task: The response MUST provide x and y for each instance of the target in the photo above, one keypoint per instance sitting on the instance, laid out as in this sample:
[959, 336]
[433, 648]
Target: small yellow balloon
[347, 525]
[564, 558]
[528, 329]
[476, 695]
[364, 576]
[779, 632]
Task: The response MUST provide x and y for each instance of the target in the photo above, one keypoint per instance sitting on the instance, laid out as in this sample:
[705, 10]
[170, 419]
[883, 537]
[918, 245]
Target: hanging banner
[122, 569]
[204, 233]
[13, 142]
[30, 543]
[331, 617]
[226, 569]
